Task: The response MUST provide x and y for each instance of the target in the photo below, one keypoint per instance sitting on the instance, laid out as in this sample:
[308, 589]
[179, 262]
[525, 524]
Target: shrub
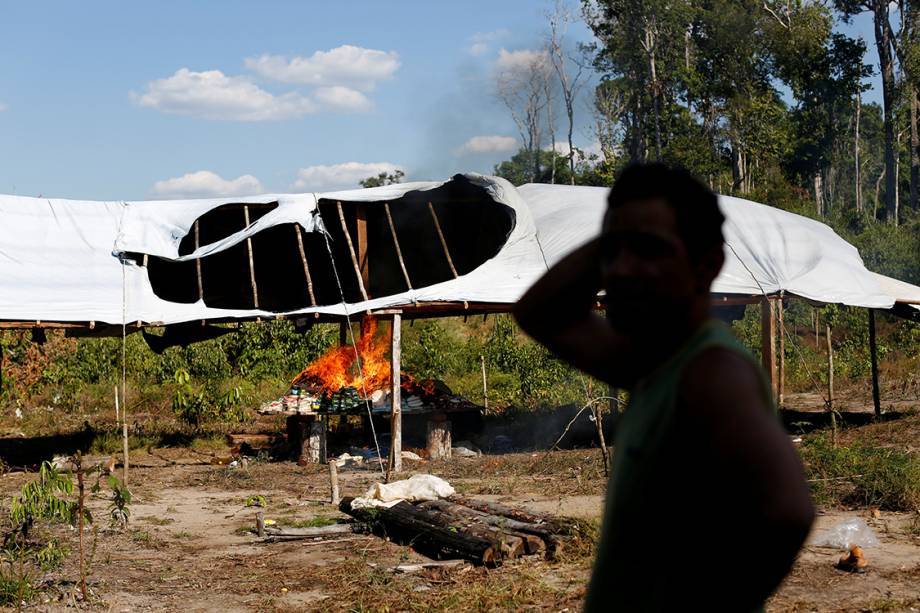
[858, 475]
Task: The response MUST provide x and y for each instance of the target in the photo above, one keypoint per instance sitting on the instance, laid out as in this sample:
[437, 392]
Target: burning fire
[338, 368]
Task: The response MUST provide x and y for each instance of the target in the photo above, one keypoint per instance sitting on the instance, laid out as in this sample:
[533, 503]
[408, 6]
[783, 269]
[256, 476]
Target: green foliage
[384, 178]
[119, 509]
[40, 500]
[16, 582]
[862, 476]
[198, 407]
[256, 500]
[519, 372]
[51, 556]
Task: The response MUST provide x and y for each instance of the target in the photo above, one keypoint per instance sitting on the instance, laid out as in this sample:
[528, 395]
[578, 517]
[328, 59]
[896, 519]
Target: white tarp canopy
[59, 259]
[768, 250]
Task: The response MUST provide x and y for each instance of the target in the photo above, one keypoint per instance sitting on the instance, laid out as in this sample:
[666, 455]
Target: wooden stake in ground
[333, 482]
[81, 499]
[830, 383]
[768, 340]
[395, 464]
[597, 409]
[873, 354]
[116, 407]
[485, 388]
[781, 379]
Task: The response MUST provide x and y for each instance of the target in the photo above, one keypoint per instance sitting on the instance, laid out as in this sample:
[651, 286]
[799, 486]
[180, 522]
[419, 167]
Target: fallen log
[312, 532]
[537, 538]
[512, 545]
[410, 525]
[556, 525]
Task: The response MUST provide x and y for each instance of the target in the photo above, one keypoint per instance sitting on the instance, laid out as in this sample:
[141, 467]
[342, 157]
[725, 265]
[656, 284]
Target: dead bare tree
[521, 86]
[569, 70]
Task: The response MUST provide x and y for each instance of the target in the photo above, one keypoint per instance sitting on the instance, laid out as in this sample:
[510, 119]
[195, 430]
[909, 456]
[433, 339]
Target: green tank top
[626, 539]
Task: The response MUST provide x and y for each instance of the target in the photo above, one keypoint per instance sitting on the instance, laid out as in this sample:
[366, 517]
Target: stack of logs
[483, 532]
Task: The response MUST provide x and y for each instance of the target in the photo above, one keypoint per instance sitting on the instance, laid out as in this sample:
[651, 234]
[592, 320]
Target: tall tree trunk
[819, 194]
[737, 169]
[571, 151]
[650, 44]
[858, 170]
[914, 149]
[878, 185]
[886, 64]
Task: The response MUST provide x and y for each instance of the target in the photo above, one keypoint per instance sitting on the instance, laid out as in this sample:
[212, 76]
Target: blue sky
[114, 100]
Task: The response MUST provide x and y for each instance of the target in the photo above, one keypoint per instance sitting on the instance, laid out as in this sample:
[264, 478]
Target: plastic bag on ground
[853, 531]
[414, 489]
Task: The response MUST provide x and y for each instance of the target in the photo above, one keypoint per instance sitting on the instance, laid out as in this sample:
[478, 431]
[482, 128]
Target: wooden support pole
[351, 250]
[252, 266]
[396, 396]
[402, 263]
[306, 267]
[873, 354]
[768, 341]
[117, 421]
[361, 225]
[198, 263]
[781, 380]
[437, 226]
[450, 261]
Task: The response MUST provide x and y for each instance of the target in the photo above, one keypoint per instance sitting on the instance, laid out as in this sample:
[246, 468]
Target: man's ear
[708, 268]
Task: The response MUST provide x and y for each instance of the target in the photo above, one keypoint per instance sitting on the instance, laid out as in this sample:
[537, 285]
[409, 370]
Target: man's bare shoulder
[719, 380]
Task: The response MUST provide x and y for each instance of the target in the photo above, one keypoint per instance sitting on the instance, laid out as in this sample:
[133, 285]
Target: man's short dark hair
[696, 208]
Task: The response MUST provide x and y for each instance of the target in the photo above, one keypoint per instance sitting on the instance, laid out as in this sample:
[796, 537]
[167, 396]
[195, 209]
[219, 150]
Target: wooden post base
[307, 438]
[439, 437]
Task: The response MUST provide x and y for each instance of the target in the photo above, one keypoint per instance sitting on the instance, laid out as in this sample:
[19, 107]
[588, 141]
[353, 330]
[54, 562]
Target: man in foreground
[707, 504]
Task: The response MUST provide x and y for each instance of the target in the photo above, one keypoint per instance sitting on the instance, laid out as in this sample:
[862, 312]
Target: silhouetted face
[645, 267]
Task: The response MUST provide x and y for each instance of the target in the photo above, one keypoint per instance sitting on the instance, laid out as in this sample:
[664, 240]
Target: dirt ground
[190, 544]
[189, 547]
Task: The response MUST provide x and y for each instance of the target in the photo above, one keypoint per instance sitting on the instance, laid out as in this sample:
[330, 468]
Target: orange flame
[338, 368]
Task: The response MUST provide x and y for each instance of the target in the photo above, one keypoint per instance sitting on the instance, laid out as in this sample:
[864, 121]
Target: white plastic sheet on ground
[417, 488]
[59, 259]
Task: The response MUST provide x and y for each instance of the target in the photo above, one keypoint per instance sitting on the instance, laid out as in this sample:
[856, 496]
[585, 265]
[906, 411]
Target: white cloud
[339, 176]
[341, 98]
[522, 59]
[488, 144]
[481, 42]
[213, 95]
[581, 152]
[357, 67]
[206, 184]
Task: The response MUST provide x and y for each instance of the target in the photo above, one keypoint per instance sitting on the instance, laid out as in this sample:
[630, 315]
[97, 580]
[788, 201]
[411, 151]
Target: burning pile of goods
[339, 382]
